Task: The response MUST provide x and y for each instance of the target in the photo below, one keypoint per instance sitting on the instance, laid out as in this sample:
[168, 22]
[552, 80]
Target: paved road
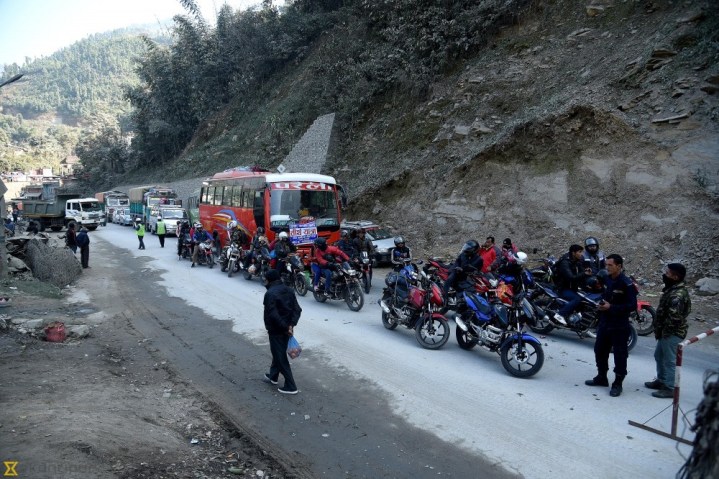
[375, 404]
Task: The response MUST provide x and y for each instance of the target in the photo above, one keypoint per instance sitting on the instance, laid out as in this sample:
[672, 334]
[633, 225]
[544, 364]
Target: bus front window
[289, 206]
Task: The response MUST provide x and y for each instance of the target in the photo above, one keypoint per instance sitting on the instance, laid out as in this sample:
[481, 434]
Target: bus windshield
[289, 206]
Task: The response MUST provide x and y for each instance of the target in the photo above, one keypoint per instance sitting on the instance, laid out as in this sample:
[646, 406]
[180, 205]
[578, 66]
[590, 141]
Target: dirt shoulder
[105, 406]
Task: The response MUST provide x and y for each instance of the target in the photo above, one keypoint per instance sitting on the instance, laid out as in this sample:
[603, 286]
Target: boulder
[57, 266]
[78, 331]
[707, 286]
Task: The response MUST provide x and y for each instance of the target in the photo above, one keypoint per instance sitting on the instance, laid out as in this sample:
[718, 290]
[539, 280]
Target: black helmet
[260, 230]
[398, 240]
[591, 241]
[470, 246]
[321, 243]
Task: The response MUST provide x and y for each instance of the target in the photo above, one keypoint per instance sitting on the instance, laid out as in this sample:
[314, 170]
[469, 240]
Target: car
[382, 240]
[122, 216]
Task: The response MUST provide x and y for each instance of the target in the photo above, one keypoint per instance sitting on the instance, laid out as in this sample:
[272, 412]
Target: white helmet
[283, 235]
[232, 225]
[137, 220]
[197, 225]
[521, 257]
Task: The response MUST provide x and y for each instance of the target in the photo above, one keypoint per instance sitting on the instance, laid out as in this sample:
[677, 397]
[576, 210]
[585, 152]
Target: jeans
[665, 355]
[573, 300]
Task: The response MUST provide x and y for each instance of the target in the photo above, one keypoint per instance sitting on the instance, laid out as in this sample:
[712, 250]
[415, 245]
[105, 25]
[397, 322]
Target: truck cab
[170, 215]
[85, 212]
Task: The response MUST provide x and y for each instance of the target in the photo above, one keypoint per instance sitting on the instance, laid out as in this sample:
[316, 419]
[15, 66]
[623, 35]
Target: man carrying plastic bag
[282, 312]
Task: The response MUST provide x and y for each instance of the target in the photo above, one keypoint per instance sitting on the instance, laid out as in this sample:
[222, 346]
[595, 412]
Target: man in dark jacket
[281, 315]
[670, 328]
[618, 301]
[466, 263]
[71, 238]
[83, 241]
[569, 277]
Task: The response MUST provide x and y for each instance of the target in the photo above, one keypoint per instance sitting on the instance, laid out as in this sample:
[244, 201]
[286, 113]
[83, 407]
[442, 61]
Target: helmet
[321, 243]
[260, 230]
[159, 218]
[284, 235]
[232, 225]
[470, 246]
[198, 225]
[398, 240]
[591, 241]
[521, 257]
[137, 220]
[345, 234]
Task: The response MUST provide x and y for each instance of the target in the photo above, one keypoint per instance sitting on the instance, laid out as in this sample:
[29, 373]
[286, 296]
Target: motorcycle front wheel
[521, 358]
[247, 274]
[230, 268]
[300, 284]
[643, 320]
[465, 340]
[354, 297]
[432, 332]
[365, 283]
[319, 296]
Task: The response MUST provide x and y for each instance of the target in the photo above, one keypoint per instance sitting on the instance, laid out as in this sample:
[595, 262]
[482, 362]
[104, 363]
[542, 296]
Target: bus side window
[258, 208]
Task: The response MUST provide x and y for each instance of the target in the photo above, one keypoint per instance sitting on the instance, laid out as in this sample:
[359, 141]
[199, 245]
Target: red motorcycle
[645, 315]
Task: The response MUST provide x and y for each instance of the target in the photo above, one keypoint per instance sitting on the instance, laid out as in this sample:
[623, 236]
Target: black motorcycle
[363, 263]
[231, 259]
[293, 274]
[345, 287]
[259, 264]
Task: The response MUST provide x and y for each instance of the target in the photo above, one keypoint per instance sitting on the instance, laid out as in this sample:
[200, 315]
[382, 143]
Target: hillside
[560, 127]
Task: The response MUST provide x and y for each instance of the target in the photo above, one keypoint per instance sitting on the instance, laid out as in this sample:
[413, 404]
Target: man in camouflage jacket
[670, 328]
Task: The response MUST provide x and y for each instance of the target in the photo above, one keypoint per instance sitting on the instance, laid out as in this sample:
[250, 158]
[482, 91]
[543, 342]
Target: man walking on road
[618, 301]
[160, 229]
[281, 315]
[140, 229]
[83, 241]
[670, 328]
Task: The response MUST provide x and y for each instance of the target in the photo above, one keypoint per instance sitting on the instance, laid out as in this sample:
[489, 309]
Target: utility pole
[3, 210]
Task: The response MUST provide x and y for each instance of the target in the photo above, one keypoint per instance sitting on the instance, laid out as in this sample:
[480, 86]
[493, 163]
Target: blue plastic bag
[293, 348]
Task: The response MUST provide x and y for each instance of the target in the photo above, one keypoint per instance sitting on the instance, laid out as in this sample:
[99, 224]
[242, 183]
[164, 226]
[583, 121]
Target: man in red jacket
[488, 252]
[326, 258]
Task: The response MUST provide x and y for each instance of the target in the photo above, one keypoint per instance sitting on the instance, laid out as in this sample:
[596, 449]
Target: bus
[306, 205]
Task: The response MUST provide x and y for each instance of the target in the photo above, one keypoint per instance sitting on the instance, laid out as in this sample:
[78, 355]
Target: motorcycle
[498, 327]
[415, 302]
[205, 255]
[259, 265]
[187, 246]
[364, 264]
[645, 315]
[294, 275]
[231, 259]
[547, 302]
[345, 287]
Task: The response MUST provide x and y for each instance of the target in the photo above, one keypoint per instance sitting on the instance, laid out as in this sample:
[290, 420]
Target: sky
[34, 28]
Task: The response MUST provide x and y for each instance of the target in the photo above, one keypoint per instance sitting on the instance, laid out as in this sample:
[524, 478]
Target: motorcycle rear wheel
[432, 332]
[530, 357]
[354, 297]
[300, 284]
[643, 320]
[465, 340]
[319, 296]
[542, 325]
[389, 321]
[230, 268]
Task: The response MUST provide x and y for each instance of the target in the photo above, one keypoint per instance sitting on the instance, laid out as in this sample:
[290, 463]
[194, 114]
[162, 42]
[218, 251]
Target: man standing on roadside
[161, 230]
[83, 241]
[670, 328]
[618, 301]
[281, 315]
[71, 238]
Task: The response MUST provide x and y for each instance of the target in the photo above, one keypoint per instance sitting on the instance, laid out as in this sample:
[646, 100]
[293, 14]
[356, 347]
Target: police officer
[670, 328]
[618, 301]
[161, 231]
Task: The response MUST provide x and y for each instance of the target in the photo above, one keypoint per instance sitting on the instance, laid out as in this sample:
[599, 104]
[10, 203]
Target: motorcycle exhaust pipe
[384, 306]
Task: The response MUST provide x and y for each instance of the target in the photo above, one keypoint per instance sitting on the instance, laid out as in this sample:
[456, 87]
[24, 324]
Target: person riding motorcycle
[283, 247]
[593, 257]
[570, 276]
[199, 236]
[362, 244]
[254, 246]
[346, 245]
[467, 262]
[182, 232]
[326, 259]
[400, 253]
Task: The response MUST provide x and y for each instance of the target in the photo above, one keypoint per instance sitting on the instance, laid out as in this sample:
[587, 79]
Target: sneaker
[326, 294]
[284, 390]
[664, 393]
[616, 390]
[192, 265]
[560, 319]
[655, 384]
[597, 381]
[268, 379]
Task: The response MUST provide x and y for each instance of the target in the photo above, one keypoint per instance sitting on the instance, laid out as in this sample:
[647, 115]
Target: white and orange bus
[306, 205]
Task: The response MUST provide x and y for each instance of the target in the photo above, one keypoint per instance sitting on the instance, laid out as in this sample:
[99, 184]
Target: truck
[112, 200]
[171, 214]
[54, 207]
[144, 198]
